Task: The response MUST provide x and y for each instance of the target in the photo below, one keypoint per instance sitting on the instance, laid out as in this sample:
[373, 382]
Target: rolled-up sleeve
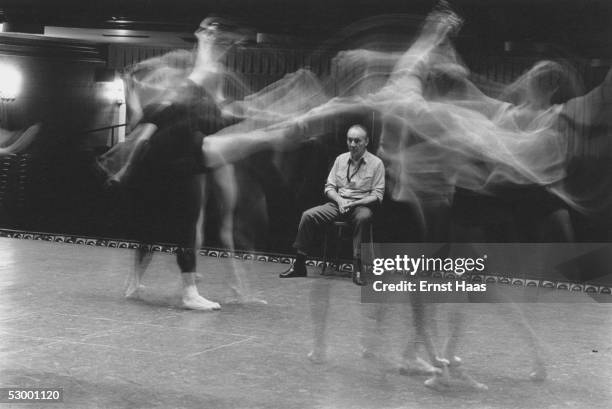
[378, 183]
[332, 183]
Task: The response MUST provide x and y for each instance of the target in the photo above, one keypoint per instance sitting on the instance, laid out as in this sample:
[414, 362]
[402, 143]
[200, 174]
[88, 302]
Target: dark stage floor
[64, 323]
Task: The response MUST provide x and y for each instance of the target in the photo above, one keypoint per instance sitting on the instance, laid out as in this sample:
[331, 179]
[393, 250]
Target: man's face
[356, 140]
[215, 32]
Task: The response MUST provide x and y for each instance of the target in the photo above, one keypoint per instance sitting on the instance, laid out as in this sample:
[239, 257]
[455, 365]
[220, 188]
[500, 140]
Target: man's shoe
[296, 270]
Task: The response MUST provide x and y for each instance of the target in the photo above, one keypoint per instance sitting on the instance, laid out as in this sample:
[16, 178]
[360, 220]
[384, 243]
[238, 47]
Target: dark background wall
[54, 187]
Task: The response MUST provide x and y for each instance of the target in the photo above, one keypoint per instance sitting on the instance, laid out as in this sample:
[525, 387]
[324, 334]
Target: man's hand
[342, 202]
[344, 205]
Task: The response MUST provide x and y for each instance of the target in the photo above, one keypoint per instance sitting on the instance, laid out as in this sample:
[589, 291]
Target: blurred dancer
[175, 143]
[401, 104]
[475, 142]
[405, 110]
[222, 185]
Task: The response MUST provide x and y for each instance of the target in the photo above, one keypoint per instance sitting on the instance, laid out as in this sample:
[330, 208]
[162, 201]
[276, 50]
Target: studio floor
[64, 323]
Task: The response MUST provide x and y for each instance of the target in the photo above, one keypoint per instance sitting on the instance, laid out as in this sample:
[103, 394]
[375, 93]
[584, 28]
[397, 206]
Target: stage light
[115, 91]
[10, 82]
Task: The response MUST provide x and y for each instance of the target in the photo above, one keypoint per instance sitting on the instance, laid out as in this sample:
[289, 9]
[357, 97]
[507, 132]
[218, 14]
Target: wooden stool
[339, 230]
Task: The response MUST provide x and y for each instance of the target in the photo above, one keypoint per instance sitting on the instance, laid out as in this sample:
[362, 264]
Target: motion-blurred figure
[173, 143]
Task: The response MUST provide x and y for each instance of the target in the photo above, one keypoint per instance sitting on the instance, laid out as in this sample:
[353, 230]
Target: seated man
[355, 185]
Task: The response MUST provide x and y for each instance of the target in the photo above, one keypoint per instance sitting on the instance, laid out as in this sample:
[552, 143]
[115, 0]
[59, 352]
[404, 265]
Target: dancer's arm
[435, 31]
[348, 59]
[410, 64]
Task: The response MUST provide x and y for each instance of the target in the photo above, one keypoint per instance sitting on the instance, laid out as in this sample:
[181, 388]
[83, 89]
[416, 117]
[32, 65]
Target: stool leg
[370, 257]
[359, 267]
[338, 240]
[325, 244]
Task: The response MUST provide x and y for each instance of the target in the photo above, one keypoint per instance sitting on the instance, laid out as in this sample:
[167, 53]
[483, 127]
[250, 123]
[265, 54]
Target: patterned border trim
[343, 266]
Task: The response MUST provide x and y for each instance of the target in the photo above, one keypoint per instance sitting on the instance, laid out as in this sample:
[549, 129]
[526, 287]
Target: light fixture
[115, 91]
[10, 82]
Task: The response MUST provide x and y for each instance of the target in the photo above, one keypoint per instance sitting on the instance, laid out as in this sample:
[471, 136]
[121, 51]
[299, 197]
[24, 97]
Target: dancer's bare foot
[133, 292]
[461, 379]
[438, 383]
[192, 300]
[539, 373]
[133, 287]
[197, 302]
[317, 356]
[440, 362]
[418, 367]
[454, 377]
[441, 380]
[242, 296]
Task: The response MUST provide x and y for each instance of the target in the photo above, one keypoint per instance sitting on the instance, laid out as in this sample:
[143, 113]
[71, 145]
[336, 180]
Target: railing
[104, 128]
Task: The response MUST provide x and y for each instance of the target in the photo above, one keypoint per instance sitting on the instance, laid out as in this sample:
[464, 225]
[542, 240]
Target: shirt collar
[361, 159]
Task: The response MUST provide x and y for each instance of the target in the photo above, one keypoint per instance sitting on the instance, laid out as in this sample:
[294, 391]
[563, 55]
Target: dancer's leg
[420, 322]
[201, 222]
[219, 150]
[187, 205]
[226, 191]
[456, 322]
[538, 371]
[133, 283]
[143, 216]
[434, 218]
[458, 376]
[319, 311]
[412, 364]
[371, 339]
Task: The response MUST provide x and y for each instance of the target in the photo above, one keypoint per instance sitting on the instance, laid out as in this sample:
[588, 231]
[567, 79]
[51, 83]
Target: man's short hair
[361, 128]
